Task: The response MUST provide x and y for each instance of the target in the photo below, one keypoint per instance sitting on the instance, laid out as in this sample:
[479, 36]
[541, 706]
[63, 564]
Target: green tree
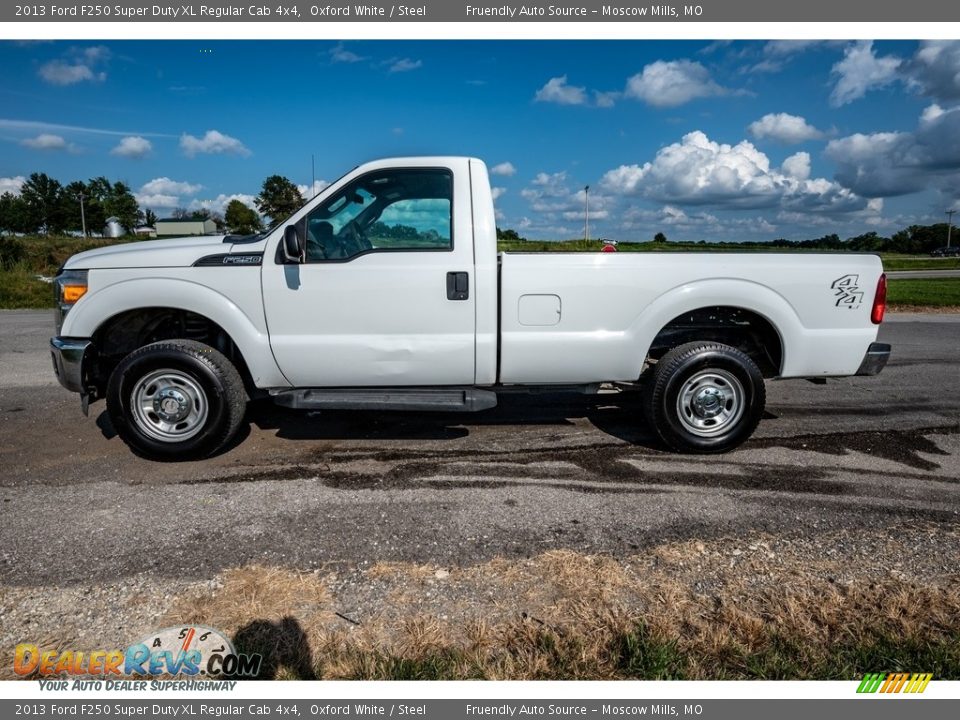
[70, 205]
[150, 217]
[44, 207]
[278, 198]
[509, 235]
[122, 205]
[659, 238]
[242, 219]
[13, 214]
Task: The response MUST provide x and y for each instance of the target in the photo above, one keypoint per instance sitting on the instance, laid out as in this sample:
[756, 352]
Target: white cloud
[785, 48]
[220, 202]
[605, 99]
[887, 164]
[166, 185]
[699, 171]
[307, 193]
[80, 66]
[162, 192]
[784, 128]
[214, 143]
[404, 65]
[935, 69]
[551, 196]
[797, 166]
[157, 202]
[668, 84]
[57, 72]
[497, 192]
[339, 54]
[12, 185]
[47, 141]
[557, 91]
[133, 146]
[39, 126]
[505, 168]
[860, 71]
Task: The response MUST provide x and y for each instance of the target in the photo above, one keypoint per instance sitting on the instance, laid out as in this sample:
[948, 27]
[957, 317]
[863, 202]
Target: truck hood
[173, 252]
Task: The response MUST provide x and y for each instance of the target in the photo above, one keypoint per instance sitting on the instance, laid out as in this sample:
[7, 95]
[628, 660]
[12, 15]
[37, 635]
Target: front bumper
[875, 359]
[68, 358]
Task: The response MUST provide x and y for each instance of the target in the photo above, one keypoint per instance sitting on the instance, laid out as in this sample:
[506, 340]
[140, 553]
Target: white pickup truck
[386, 291]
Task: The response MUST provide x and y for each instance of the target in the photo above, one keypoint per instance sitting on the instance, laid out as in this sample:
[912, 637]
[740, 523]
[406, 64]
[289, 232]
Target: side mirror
[292, 245]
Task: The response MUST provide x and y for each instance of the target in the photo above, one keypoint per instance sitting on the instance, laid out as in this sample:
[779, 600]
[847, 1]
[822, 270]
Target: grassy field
[932, 293]
[24, 260]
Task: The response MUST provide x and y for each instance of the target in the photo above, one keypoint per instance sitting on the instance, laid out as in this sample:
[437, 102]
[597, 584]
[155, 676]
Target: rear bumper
[68, 357]
[875, 359]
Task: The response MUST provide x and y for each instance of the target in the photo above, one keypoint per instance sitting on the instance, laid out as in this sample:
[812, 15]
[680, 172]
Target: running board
[437, 399]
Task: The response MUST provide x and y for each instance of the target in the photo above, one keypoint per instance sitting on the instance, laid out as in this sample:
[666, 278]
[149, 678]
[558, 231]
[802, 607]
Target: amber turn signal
[72, 293]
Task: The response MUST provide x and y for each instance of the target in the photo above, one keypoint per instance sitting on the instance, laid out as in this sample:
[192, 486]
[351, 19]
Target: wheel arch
[131, 303]
[744, 314]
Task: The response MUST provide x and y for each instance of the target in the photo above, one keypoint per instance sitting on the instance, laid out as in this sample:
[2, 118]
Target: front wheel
[704, 397]
[176, 400]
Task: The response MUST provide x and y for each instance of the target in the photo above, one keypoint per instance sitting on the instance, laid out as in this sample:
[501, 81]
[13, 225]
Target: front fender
[101, 304]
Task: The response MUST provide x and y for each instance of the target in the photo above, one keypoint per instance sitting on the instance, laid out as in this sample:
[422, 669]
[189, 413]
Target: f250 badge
[847, 291]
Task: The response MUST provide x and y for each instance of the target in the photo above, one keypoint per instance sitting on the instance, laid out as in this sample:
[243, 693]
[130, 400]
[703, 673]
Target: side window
[389, 210]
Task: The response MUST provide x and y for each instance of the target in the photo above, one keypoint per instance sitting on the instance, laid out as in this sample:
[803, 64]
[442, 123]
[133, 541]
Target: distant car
[952, 251]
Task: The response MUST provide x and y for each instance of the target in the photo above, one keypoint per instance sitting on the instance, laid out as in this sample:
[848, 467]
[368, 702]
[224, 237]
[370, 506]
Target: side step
[436, 399]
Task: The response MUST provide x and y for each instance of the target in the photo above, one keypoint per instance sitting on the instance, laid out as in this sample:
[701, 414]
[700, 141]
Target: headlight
[68, 287]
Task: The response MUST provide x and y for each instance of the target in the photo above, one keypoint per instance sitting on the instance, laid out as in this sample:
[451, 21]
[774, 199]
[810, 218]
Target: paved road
[540, 472]
[922, 274]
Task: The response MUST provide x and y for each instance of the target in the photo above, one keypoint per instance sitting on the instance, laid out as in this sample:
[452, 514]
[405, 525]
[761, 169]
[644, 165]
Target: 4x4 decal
[847, 291]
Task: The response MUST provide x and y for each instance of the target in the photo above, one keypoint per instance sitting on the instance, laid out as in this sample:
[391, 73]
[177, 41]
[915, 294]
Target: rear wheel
[704, 397]
[176, 400]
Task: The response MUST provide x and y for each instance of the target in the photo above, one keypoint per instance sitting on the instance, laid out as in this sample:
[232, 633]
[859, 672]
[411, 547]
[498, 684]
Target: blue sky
[700, 140]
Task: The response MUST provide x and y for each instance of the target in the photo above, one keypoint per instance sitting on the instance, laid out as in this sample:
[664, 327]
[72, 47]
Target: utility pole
[313, 178]
[586, 212]
[949, 224]
[83, 216]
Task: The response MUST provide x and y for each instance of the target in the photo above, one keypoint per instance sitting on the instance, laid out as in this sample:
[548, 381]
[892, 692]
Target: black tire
[195, 377]
[713, 378]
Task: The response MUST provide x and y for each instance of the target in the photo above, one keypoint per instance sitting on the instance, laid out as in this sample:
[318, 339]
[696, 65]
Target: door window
[405, 210]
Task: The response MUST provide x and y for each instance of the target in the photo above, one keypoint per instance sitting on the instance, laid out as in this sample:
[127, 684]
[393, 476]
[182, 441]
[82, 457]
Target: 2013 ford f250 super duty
[386, 291]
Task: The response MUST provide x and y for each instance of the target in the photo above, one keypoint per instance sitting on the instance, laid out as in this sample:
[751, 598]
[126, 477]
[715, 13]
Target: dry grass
[567, 615]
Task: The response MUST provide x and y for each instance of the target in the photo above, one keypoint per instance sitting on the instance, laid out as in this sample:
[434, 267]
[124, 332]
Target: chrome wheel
[169, 405]
[710, 402]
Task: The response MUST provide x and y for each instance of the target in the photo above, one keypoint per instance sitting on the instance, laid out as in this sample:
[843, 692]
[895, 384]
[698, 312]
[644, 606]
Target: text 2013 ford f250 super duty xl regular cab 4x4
[386, 291]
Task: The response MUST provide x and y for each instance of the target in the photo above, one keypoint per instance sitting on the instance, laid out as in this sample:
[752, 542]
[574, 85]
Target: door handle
[458, 286]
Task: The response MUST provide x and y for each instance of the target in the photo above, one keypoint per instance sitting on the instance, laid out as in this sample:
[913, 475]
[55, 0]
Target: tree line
[45, 205]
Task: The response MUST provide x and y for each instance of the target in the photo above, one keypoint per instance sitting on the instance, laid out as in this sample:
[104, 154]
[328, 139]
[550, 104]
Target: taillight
[879, 300]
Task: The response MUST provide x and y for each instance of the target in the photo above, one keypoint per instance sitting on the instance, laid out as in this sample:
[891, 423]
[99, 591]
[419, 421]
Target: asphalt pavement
[536, 473]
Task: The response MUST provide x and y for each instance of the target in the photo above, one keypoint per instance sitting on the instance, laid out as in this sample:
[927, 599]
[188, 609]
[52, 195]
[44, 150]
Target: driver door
[370, 305]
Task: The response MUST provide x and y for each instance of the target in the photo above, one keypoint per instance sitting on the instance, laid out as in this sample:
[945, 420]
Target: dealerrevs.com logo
[192, 651]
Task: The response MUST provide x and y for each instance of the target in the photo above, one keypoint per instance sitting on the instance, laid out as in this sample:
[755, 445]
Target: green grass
[19, 288]
[936, 292]
[914, 262]
[637, 654]
[22, 259]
